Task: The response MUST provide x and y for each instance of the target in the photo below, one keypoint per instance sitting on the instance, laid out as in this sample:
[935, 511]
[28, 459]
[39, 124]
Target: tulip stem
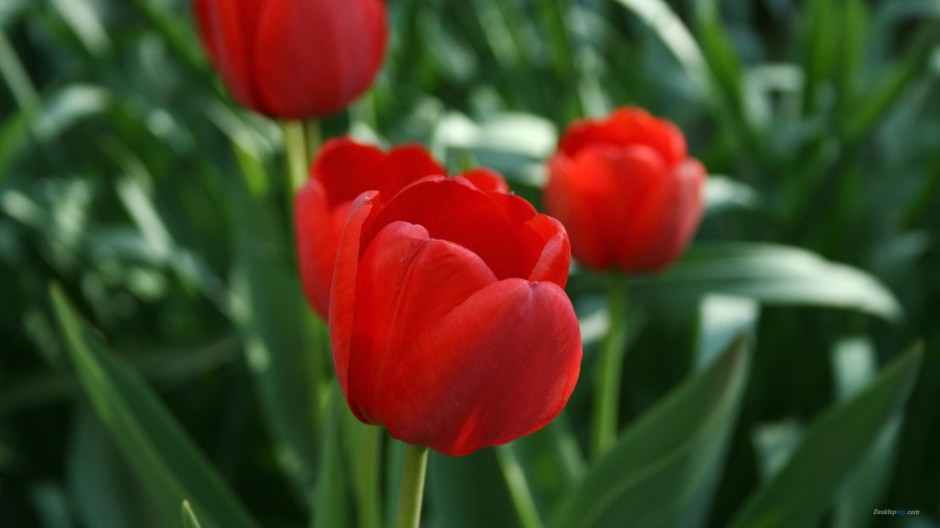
[412, 486]
[607, 386]
[295, 144]
[314, 137]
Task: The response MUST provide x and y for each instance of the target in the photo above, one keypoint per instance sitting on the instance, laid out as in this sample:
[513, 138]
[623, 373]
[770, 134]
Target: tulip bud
[626, 191]
[448, 318]
[294, 59]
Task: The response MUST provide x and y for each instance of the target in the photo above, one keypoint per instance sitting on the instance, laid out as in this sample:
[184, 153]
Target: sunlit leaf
[189, 516]
[774, 274]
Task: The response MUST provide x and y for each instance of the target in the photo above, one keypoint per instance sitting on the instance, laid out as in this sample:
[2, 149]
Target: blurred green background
[177, 367]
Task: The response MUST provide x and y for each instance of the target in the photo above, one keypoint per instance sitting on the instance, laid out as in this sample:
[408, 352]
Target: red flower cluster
[626, 190]
[449, 321]
[342, 171]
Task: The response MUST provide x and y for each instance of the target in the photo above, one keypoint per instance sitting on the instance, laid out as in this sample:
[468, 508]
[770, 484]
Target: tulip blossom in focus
[342, 171]
[294, 59]
[626, 191]
[448, 318]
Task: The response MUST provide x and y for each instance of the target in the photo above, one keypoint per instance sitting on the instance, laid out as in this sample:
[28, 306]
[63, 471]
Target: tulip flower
[342, 171]
[448, 318]
[626, 190]
[294, 59]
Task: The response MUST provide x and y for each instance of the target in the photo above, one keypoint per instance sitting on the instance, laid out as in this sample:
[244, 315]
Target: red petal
[650, 212]
[343, 290]
[347, 169]
[406, 282]
[625, 127]
[640, 210]
[487, 180]
[554, 262]
[676, 234]
[455, 210]
[317, 241]
[580, 195]
[497, 367]
[314, 57]
[228, 30]
[542, 240]
[410, 163]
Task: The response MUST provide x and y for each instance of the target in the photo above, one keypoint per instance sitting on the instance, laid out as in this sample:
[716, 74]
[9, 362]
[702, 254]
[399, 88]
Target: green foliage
[775, 274]
[129, 178]
[189, 517]
[663, 469]
[799, 494]
[164, 457]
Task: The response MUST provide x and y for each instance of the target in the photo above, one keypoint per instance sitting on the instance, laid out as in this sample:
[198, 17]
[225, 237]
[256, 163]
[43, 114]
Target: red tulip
[626, 190]
[294, 59]
[342, 171]
[448, 318]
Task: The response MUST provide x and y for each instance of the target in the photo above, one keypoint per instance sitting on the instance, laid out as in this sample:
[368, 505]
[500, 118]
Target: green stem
[317, 345]
[295, 145]
[412, 486]
[607, 389]
[518, 486]
[301, 142]
[314, 138]
[367, 486]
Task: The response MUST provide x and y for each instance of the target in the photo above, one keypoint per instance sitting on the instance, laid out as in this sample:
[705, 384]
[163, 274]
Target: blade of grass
[166, 460]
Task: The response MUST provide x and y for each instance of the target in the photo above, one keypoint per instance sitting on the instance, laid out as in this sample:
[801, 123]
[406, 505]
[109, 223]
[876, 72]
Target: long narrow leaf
[663, 470]
[775, 274]
[800, 493]
[278, 328]
[331, 500]
[166, 460]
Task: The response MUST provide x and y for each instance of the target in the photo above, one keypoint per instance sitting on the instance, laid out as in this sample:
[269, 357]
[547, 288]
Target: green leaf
[855, 366]
[723, 193]
[675, 36]
[166, 460]
[86, 22]
[394, 467]
[891, 83]
[520, 491]
[774, 274]
[854, 30]
[721, 318]
[774, 442]
[551, 460]
[189, 516]
[280, 331]
[458, 486]
[331, 501]
[664, 468]
[802, 491]
[97, 473]
[719, 51]
[364, 447]
[512, 143]
[819, 50]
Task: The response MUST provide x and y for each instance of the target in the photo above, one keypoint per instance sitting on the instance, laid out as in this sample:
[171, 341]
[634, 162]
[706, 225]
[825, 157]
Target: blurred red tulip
[626, 191]
[342, 171]
[449, 321]
[294, 59]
